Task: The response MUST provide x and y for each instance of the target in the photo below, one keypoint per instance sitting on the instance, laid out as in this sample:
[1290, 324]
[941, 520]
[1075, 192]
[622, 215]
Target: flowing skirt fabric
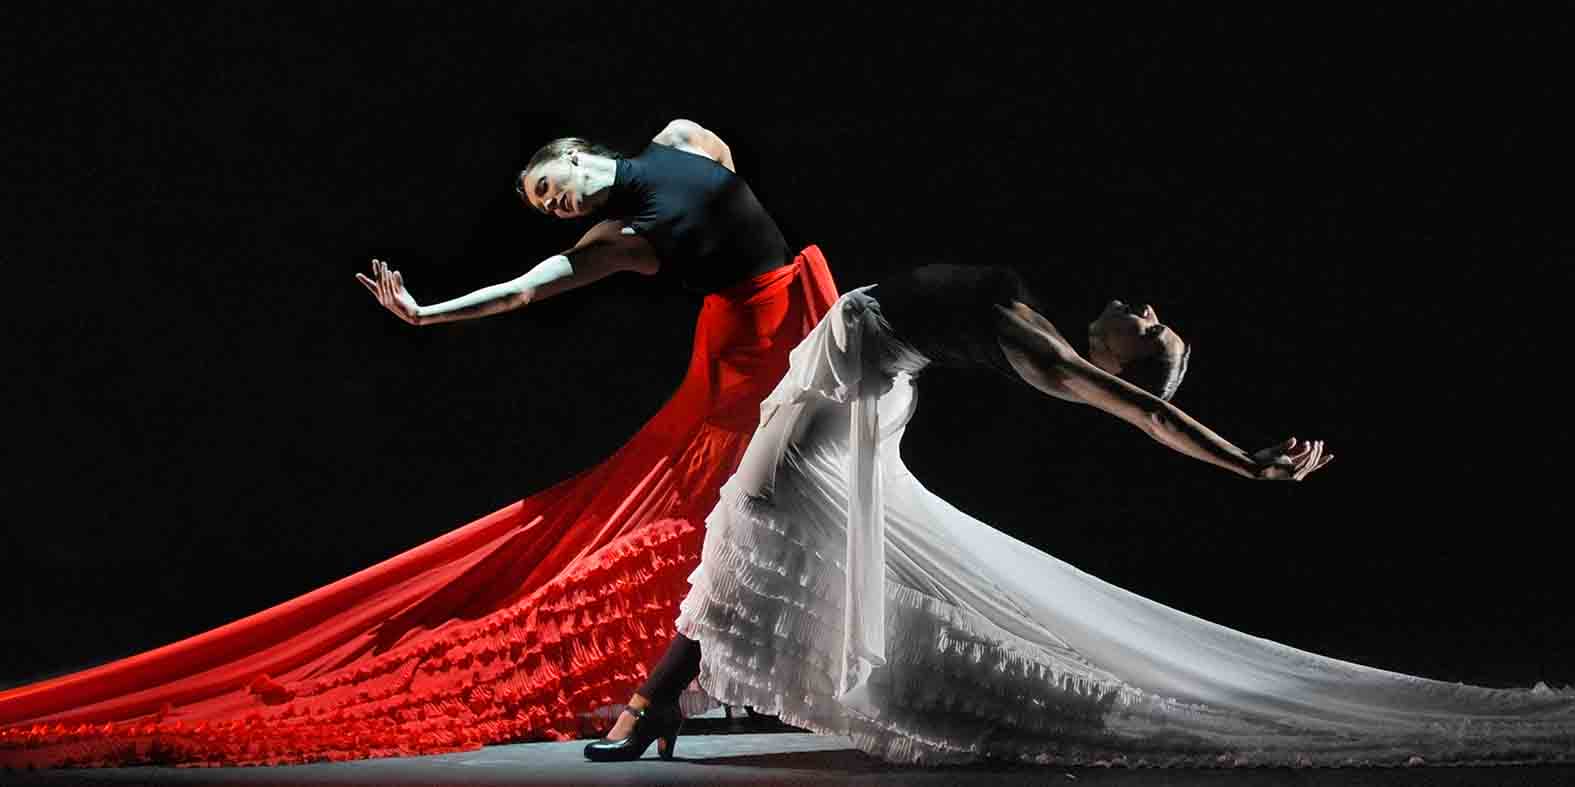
[515, 626]
[838, 592]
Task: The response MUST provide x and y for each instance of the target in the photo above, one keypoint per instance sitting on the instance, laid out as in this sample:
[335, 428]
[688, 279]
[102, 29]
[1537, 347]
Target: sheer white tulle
[960, 642]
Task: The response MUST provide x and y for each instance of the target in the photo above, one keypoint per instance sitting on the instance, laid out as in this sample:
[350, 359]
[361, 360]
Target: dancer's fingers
[1300, 470]
[1312, 460]
[367, 283]
[1299, 461]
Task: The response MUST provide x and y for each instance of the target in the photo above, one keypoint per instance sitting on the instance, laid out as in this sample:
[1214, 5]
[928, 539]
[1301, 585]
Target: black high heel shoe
[655, 723]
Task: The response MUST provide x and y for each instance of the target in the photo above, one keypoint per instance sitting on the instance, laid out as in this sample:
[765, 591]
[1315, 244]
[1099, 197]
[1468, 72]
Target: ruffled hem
[531, 671]
[956, 688]
[519, 625]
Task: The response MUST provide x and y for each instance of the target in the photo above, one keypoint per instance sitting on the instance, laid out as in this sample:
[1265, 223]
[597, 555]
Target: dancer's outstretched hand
[389, 289]
[1291, 460]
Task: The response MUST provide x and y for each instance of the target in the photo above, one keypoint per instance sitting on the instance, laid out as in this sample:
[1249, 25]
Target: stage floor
[768, 758]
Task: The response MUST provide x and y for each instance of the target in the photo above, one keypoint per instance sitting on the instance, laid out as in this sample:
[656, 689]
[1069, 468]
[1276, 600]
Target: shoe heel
[666, 751]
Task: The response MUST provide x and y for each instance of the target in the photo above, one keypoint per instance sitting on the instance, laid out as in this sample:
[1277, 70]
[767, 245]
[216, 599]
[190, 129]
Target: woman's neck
[600, 173]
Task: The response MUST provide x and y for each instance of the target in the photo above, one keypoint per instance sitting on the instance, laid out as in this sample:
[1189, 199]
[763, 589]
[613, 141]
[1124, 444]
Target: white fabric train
[838, 592]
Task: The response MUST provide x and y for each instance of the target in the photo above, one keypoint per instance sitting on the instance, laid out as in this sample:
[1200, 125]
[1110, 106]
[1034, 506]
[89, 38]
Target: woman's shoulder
[685, 135]
[690, 137]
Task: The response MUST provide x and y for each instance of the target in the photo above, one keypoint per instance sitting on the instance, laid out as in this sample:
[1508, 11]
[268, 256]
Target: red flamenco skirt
[513, 627]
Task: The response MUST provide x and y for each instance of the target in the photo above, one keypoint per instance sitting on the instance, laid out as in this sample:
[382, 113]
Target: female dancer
[837, 591]
[518, 624]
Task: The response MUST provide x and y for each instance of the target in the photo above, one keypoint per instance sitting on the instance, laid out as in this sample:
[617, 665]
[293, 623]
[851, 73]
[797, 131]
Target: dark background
[1357, 217]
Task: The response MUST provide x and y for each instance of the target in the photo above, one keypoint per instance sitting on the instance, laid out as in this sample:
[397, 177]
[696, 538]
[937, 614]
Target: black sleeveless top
[947, 312]
[703, 221]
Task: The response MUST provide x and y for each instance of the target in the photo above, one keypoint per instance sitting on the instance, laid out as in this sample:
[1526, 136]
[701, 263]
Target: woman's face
[1123, 334]
[561, 188]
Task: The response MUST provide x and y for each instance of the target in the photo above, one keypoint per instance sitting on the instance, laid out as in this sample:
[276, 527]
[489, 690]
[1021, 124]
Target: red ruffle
[532, 671]
[514, 627]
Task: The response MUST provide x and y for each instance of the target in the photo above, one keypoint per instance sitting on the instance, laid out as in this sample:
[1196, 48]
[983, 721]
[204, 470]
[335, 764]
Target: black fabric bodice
[947, 312]
[704, 222]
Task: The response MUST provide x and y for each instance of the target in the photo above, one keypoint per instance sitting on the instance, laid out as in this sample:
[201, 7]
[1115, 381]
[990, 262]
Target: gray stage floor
[770, 758]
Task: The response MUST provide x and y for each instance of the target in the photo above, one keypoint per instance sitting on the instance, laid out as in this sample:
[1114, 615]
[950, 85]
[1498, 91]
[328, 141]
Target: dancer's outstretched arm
[606, 249]
[1047, 361]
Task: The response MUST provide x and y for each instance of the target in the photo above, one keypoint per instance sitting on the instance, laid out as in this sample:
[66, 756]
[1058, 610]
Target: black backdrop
[1356, 217]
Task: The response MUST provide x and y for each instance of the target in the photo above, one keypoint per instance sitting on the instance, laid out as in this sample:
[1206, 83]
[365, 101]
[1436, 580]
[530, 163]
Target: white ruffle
[962, 643]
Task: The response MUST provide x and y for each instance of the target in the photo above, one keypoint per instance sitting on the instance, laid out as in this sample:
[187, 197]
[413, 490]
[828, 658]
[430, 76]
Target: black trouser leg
[677, 668]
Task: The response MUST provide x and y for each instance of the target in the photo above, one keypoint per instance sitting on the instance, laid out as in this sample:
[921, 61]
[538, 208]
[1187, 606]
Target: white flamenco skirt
[963, 643]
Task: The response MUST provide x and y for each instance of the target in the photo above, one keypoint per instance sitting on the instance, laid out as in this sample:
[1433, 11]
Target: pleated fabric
[516, 626]
[837, 591]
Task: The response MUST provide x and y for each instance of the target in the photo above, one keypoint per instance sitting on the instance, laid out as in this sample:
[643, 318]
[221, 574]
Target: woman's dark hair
[557, 148]
[1160, 374]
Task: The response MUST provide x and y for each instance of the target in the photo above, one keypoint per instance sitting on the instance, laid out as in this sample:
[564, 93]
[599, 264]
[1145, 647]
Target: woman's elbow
[517, 298]
[1157, 423]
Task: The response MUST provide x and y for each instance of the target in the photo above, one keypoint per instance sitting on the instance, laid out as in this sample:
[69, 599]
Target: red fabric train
[512, 627]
